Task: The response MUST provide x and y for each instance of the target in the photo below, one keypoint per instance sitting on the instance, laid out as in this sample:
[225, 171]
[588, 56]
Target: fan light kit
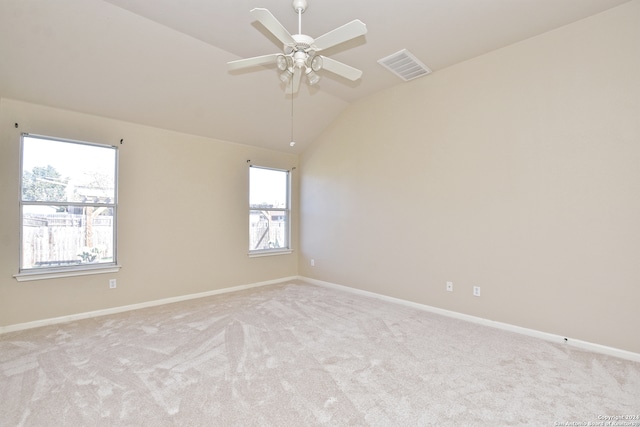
[300, 52]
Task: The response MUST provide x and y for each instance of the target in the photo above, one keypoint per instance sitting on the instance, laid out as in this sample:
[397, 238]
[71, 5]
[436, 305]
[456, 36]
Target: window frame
[38, 273]
[287, 248]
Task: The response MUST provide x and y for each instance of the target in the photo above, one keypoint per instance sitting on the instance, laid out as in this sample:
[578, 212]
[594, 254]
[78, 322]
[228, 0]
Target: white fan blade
[340, 69]
[342, 34]
[294, 83]
[272, 24]
[252, 62]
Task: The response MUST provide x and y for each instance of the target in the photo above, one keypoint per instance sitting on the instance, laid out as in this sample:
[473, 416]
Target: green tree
[44, 184]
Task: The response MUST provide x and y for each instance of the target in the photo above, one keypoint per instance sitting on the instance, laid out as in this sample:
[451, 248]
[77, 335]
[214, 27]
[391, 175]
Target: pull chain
[292, 143]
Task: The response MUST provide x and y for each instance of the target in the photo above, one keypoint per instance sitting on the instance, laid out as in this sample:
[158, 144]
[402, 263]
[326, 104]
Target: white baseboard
[115, 310]
[597, 348]
[585, 345]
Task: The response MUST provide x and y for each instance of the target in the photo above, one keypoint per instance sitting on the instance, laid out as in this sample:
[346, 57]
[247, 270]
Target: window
[68, 204]
[268, 210]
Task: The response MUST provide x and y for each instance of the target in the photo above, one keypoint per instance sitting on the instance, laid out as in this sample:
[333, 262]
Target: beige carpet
[301, 355]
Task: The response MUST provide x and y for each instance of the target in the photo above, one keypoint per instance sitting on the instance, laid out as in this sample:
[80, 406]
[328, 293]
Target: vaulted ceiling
[163, 62]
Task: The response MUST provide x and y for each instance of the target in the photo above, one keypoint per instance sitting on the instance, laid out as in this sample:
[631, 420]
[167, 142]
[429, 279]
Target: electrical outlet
[450, 286]
[313, 262]
[476, 291]
[112, 283]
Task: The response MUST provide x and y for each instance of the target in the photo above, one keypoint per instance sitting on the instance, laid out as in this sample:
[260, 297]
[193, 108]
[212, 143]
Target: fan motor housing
[303, 42]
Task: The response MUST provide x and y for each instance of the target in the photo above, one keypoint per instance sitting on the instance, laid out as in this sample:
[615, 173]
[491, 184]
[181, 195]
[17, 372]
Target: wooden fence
[59, 238]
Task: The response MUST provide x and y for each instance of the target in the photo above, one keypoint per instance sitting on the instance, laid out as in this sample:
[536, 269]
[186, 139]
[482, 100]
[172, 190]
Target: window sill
[272, 252]
[69, 272]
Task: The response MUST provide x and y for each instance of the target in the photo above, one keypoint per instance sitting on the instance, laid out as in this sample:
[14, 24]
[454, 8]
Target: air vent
[404, 65]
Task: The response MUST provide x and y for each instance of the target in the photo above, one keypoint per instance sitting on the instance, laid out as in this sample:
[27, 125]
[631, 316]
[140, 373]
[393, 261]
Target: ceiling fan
[300, 53]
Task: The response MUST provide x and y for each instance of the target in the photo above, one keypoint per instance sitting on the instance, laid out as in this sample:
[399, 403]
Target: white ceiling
[163, 62]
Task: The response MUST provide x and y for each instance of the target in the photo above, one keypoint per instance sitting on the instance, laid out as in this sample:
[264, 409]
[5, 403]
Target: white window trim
[25, 275]
[269, 252]
[66, 272]
[276, 251]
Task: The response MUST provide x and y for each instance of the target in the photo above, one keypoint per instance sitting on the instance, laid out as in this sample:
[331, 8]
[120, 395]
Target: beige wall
[518, 171]
[183, 216]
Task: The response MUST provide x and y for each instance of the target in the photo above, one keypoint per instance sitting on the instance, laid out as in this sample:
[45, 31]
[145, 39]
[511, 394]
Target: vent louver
[404, 65]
